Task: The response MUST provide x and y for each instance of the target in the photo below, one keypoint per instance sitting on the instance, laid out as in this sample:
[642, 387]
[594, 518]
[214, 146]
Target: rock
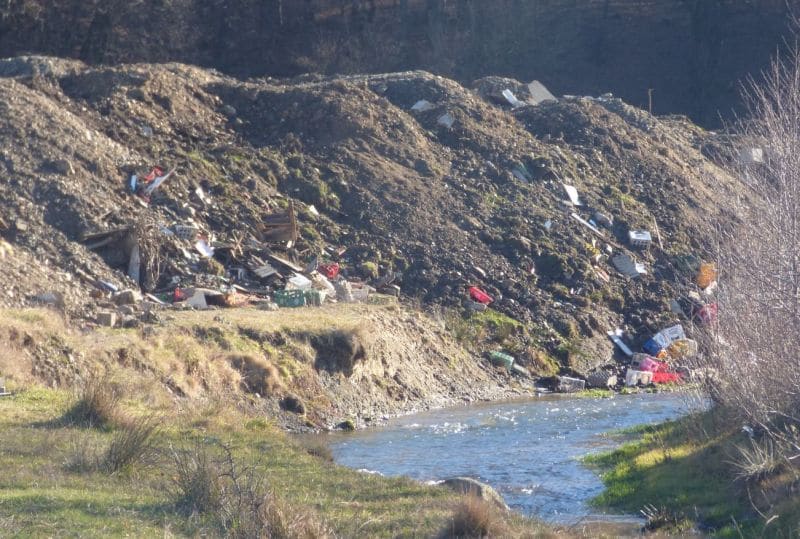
[107, 318]
[228, 110]
[467, 485]
[127, 297]
[347, 424]
[61, 166]
[127, 310]
[293, 403]
[53, 298]
[130, 322]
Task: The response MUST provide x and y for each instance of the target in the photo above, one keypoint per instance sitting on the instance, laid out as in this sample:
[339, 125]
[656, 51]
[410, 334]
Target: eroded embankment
[307, 367]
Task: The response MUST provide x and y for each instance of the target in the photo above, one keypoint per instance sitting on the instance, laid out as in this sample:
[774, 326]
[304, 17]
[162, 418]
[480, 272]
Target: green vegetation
[199, 470]
[680, 474]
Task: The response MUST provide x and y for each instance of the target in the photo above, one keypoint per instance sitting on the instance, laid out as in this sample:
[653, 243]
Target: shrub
[97, 405]
[197, 479]
[130, 444]
[475, 517]
[237, 499]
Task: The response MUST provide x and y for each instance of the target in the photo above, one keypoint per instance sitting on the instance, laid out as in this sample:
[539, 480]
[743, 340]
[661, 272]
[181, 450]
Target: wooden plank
[282, 261]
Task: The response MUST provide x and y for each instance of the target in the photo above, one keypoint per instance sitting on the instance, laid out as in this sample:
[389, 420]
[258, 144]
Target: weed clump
[131, 444]
[474, 517]
[96, 406]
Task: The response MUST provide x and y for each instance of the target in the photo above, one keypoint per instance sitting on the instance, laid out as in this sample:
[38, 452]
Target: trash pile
[183, 264]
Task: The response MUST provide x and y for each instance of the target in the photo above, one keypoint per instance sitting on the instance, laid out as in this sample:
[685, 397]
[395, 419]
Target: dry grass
[475, 517]
[258, 375]
[237, 498]
[97, 405]
[130, 444]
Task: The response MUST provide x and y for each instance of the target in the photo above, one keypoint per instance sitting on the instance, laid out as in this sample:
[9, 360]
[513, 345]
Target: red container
[331, 271]
[479, 295]
[666, 377]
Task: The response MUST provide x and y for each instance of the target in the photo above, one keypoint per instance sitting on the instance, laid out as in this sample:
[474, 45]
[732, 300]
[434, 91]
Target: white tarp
[573, 195]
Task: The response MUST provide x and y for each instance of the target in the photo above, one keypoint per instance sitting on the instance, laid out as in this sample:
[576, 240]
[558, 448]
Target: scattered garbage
[499, 358]
[566, 384]
[627, 266]
[446, 120]
[601, 380]
[635, 378]
[3, 392]
[640, 238]
[616, 337]
[573, 195]
[706, 274]
[479, 295]
[522, 173]
[707, 314]
[661, 340]
[751, 156]
[422, 106]
[512, 99]
[539, 93]
[603, 219]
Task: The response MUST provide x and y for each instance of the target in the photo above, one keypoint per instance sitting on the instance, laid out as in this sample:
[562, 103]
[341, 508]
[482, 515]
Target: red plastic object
[154, 173]
[650, 364]
[331, 271]
[666, 377]
[479, 295]
[178, 295]
[708, 313]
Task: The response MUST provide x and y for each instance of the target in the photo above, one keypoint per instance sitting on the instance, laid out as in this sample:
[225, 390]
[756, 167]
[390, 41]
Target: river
[529, 450]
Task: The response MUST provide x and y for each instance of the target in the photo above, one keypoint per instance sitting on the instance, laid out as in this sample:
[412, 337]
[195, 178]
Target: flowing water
[528, 450]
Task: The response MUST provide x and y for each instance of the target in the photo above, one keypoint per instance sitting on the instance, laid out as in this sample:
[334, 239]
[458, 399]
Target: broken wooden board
[283, 262]
[279, 227]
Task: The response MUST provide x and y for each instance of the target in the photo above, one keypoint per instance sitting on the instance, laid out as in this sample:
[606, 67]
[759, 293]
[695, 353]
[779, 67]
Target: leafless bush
[757, 336]
[211, 482]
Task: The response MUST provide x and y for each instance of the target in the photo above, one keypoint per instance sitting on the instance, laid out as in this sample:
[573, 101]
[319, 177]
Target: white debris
[422, 105]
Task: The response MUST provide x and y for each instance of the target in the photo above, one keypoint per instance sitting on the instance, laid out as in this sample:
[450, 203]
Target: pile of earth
[427, 196]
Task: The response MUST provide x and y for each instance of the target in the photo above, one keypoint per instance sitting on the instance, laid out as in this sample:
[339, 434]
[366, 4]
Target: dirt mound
[459, 192]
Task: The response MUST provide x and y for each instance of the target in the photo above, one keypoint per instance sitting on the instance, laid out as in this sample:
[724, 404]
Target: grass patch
[41, 495]
[680, 472]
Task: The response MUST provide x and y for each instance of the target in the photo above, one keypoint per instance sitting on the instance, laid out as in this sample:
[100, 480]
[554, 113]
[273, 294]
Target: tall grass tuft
[476, 518]
[96, 405]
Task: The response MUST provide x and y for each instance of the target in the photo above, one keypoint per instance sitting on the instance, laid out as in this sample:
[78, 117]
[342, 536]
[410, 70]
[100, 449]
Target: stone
[107, 318]
[127, 297]
[293, 403]
[61, 166]
[467, 485]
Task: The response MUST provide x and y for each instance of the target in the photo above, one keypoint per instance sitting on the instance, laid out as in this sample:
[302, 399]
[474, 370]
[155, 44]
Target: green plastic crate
[314, 297]
[499, 358]
[290, 298]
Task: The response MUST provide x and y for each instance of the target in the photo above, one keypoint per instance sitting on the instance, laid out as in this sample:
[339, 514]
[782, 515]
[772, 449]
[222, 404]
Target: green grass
[41, 496]
[683, 467]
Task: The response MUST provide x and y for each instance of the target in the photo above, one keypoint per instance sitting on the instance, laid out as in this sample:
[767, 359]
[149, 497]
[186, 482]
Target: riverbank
[61, 477]
[308, 368]
[686, 475]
